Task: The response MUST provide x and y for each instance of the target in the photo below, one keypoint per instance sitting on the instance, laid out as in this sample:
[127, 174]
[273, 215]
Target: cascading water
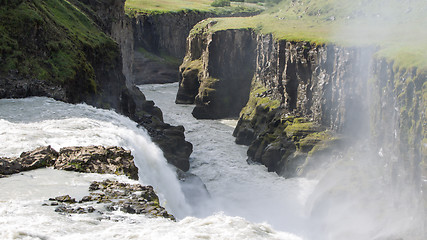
[30, 123]
[246, 201]
[243, 193]
[236, 188]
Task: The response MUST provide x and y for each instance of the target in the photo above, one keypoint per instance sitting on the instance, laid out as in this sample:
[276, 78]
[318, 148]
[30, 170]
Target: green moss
[322, 141]
[299, 130]
[258, 98]
[53, 41]
[78, 166]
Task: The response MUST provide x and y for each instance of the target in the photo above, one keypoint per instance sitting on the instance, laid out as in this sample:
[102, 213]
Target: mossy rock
[52, 41]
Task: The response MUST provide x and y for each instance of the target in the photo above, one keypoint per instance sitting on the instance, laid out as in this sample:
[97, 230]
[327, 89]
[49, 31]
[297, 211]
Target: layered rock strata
[217, 71]
[292, 96]
[305, 99]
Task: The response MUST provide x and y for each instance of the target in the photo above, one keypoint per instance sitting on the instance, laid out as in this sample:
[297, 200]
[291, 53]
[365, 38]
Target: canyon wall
[210, 76]
[303, 101]
[64, 50]
[292, 96]
[341, 113]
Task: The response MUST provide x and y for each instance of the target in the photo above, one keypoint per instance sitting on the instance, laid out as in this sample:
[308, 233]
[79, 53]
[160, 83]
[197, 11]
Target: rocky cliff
[216, 73]
[49, 48]
[343, 110]
[305, 99]
[160, 40]
[399, 125]
[62, 49]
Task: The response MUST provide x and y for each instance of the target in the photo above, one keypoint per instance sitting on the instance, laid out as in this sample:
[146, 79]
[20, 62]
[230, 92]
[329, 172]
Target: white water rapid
[246, 202]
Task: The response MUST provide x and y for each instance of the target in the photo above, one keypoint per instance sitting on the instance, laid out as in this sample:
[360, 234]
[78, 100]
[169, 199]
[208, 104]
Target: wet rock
[87, 198]
[65, 199]
[97, 159]
[91, 159]
[38, 158]
[109, 196]
[170, 139]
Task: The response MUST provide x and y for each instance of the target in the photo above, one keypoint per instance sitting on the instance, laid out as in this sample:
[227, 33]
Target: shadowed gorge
[261, 119]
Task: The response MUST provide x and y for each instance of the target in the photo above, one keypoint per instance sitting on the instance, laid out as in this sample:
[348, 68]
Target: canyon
[301, 106]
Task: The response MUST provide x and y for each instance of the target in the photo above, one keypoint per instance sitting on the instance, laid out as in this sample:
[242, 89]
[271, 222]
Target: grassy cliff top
[163, 6]
[397, 26]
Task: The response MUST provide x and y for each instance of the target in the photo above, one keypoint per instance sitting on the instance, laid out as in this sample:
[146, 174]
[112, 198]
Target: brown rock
[97, 159]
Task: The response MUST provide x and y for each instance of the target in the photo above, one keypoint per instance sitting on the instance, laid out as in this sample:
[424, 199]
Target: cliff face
[302, 95]
[48, 48]
[322, 83]
[111, 18]
[399, 124]
[160, 41]
[217, 73]
[291, 96]
[306, 101]
[60, 49]
[342, 110]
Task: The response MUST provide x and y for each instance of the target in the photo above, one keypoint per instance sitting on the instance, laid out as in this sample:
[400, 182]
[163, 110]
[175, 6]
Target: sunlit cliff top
[396, 26]
[162, 6]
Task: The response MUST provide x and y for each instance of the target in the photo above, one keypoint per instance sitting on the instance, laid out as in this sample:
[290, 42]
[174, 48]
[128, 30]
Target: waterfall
[29, 123]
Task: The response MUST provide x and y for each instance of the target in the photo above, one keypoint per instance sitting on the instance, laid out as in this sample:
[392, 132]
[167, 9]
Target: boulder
[108, 195]
[97, 159]
[38, 158]
[91, 159]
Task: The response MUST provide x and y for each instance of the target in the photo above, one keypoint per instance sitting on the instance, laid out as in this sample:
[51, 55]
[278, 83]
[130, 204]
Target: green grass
[397, 27]
[53, 41]
[164, 6]
[169, 5]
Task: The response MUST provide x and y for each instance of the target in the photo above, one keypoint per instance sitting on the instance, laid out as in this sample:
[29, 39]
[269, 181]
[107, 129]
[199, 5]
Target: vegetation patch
[222, 7]
[52, 41]
[258, 98]
[397, 27]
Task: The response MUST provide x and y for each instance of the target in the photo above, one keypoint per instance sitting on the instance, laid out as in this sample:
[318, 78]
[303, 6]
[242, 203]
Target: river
[244, 202]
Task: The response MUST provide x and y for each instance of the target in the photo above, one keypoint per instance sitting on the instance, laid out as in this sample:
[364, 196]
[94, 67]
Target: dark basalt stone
[108, 196]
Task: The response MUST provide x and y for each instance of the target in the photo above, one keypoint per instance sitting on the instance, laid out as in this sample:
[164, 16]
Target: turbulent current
[245, 202]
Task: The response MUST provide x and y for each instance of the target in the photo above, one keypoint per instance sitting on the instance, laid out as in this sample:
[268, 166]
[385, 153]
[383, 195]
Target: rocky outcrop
[160, 40]
[110, 17]
[38, 158]
[324, 84]
[292, 96]
[74, 68]
[217, 71]
[97, 159]
[50, 56]
[108, 196]
[91, 159]
[170, 139]
[307, 102]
